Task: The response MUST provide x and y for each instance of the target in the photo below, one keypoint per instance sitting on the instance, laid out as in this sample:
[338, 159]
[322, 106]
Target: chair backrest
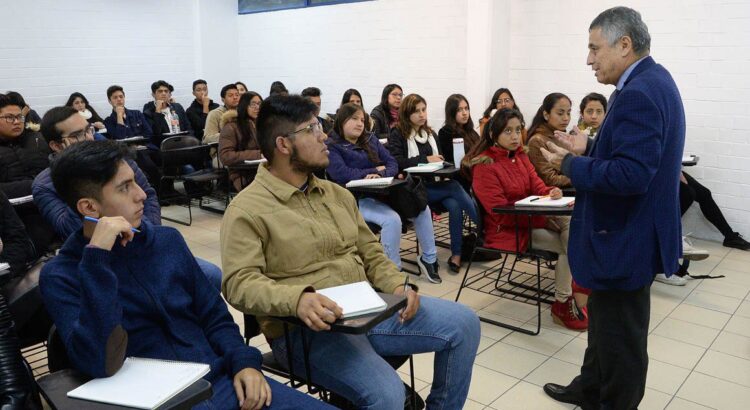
[179, 141]
[252, 327]
[57, 356]
[480, 217]
[178, 157]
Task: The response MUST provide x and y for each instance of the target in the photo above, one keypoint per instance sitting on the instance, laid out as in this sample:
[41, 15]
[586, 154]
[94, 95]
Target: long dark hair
[493, 102]
[494, 127]
[465, 131]
[94, 115]
[384, 97]
[549, 101]
[345, 112]
[348, 95]
[409, 107]
[245, 124]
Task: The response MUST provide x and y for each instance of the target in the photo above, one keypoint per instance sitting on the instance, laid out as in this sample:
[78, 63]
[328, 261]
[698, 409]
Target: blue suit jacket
[626, 223]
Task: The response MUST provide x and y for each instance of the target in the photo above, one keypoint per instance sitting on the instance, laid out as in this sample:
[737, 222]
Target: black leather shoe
[563, 394]
[736, 241]
[453, 267]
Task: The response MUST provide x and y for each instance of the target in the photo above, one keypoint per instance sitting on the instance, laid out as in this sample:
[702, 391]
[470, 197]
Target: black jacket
[380, 122]
[159, 125]
[17, 249]
[399, 148]
[197, 117]
[21, 159]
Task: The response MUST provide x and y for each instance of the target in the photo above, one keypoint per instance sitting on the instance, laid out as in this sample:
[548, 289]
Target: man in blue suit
[626, 223]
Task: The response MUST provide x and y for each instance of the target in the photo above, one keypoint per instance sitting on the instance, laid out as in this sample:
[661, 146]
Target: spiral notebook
[543, 201]
[355, 299]
[142, 383]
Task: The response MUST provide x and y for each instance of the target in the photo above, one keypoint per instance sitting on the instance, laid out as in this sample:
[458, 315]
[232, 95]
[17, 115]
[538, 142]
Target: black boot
[736, 241]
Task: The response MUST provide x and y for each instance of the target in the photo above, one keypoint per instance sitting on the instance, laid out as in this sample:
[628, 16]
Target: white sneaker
[691, 253]
[673, 280]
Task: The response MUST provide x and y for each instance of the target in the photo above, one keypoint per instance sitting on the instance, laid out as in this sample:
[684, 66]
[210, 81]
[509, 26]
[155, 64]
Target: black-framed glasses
[81, 135]
[312, 128]
[10, 119]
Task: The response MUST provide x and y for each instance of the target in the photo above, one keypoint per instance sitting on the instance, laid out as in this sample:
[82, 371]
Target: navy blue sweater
[348, 161]
[155, 290]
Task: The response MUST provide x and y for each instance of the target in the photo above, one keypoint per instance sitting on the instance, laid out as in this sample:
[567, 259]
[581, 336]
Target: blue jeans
[282, 397]
[212, 272]
[454, 198]
[378, 213]
[353, 365]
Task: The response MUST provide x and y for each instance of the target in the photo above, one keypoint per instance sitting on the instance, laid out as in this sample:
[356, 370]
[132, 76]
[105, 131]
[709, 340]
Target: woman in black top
[385, 115]
[413, 142]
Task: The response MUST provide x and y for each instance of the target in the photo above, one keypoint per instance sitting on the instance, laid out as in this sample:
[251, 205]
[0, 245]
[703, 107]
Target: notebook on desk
[355, 299]
[545, 201]
[429, 167]
[21, 200]
[142, 383]
[255, 161]
[369, 182]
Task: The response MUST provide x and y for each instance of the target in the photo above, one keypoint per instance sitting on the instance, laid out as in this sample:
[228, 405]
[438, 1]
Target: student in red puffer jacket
[502, 174]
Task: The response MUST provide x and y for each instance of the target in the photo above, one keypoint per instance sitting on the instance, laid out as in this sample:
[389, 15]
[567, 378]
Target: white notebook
[546, 201]
[369, 182]
[21, 200]
[355, 299]
[429, 167]
[688, 158]
[255, 161]
[142, 383]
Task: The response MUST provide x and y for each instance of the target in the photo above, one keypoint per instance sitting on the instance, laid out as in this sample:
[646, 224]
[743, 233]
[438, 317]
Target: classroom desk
[55, 387]
[358, 191]
[690, 160]
[139, 140]
[442, 173]
[356, 326]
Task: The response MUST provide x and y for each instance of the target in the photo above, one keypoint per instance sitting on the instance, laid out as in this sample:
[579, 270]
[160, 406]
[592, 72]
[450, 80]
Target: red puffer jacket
[501, 179]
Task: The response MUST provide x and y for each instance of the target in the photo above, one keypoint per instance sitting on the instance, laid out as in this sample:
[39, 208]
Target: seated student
[501, 99]
[62, 128]
[81, 104]
[124, 123]
[502, 175]
[230, 96]
[289, 233]
[238, 142]
[23, 155]
[113, 294]
[164, 114]
[241, 87]
[593, 108]
[458, 124]
[278, 88]
[385, 115]
[353, 96]
[412, 142]
[32, 119]
[355, 153]
[553, 115]
[200, 107]
[313, 94]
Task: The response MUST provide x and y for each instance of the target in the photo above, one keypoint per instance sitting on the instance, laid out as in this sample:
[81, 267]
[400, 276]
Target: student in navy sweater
[356, 154]
[112, 294]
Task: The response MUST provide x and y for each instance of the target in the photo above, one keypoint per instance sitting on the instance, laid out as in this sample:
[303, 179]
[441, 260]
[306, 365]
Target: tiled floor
[699, 346]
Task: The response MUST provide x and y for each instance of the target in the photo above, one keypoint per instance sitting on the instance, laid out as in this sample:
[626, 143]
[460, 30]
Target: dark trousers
[613, 374]
[694, 191]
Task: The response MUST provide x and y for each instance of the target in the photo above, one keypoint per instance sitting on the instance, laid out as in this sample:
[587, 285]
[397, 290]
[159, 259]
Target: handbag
[408, 199]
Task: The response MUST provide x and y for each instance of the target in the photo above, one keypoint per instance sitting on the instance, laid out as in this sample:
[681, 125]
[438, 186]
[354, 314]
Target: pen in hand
[92, 219]
[538, 198]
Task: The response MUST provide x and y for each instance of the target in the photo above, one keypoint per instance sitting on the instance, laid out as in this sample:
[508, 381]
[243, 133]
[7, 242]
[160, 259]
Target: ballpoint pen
[92, 219]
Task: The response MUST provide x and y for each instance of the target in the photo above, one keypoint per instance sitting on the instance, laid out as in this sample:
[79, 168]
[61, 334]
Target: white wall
[419, 44]
[704, 44]
[58, 47]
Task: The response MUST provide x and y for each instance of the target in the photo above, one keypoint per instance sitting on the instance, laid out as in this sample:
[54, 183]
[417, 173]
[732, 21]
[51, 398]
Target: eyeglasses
[255, 104]
[504, 100]
[312, 128]
[397, 95]
[10, 119]
[80, 135]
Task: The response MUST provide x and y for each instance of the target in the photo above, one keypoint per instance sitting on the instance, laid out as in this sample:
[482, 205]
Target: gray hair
[619, 22]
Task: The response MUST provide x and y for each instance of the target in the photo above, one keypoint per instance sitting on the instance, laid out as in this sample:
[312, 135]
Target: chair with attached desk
[176, 153]
[518, 284]
[356, 325]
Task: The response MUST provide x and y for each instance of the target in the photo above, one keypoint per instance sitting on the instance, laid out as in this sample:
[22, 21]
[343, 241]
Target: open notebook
[355, 299]
[429, 167]
[255, 161]
[142, 383]
[546, 201]
[369, 182]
